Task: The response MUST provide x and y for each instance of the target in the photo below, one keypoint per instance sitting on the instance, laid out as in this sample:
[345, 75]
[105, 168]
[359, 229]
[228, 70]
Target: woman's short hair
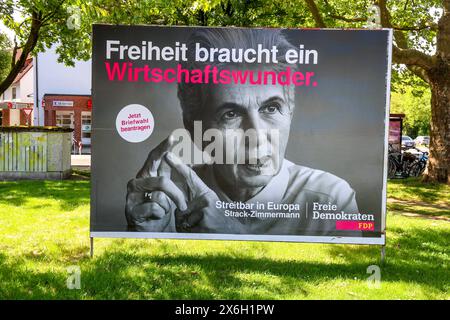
[192, 96]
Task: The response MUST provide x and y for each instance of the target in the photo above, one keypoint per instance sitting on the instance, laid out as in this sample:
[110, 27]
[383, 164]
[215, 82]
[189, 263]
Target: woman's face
[263, 114]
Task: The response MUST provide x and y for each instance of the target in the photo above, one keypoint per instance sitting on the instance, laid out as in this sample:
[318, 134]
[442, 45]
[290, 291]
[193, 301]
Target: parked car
[408, 142]
[422, 140]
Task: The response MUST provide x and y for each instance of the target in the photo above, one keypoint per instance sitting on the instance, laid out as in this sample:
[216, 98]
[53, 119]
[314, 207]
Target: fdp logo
[355, 225]
[369, 226]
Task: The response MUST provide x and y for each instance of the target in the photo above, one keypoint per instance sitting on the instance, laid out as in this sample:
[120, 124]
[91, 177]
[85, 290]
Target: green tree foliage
[74, 43]
[416, 107]
[37, 24]
[421, 50]
[5, 55]
[421, 47]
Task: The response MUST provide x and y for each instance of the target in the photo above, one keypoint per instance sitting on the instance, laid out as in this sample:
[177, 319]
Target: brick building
[62, 95]
[69, 111]
[49, 93]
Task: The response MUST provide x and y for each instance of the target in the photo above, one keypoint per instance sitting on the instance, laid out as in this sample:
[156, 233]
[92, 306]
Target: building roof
[66, 95]
[28, 65]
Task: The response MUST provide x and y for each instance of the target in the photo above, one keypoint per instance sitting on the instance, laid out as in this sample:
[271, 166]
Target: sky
[6, 31]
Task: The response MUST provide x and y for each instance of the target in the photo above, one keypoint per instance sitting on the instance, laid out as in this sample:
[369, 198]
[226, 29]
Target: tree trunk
[27, 48]
[439, 76]
[439, 161]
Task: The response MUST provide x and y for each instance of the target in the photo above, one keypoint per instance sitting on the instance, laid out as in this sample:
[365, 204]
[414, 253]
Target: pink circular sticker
[135, 123]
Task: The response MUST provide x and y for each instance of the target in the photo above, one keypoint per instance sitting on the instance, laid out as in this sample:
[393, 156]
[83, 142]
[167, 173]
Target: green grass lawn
[44, 230]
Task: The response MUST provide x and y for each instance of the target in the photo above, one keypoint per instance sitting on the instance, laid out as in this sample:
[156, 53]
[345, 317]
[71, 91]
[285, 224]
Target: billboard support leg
[92, 247]
[383, 254]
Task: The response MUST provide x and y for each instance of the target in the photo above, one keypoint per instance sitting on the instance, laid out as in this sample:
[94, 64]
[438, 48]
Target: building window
[64, 120]
[86, 120]
[1, 118]
[14, 93]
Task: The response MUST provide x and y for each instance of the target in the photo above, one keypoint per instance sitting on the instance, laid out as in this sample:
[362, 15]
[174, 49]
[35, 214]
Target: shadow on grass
[426, 192]
[416, 255]
[419, 257]
[218, 276]
[132, 271]
[411, 207]
[70, 194]
[20, 283]
[185, 276]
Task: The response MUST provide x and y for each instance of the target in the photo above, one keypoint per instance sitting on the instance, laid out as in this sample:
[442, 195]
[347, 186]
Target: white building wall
[7, 95]
[26, 91]
[52, 77]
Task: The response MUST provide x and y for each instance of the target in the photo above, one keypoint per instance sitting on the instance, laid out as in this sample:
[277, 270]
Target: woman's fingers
[148, 210]
[192, 215]
[164, 184]
[195, 184]
[152, 163]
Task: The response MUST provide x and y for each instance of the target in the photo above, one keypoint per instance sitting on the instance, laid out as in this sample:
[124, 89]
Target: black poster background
[338, 126]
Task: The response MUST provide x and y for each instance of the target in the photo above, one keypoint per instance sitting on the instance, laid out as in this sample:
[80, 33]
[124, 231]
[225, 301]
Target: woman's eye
[230, 115]
[271, 108]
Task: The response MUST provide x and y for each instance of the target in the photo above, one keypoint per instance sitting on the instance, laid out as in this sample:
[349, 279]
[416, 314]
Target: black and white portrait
[294, 147]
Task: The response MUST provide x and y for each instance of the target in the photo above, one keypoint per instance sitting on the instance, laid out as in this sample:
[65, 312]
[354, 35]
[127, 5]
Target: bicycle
[418, 167]
[400, 163]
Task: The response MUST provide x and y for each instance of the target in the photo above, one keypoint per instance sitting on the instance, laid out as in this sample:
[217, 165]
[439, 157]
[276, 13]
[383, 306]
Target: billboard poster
[241, 134]
[395, 134]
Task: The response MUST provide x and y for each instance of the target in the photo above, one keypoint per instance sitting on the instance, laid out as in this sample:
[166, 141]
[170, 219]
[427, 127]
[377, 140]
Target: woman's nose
[253, 121]
[255, 129]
